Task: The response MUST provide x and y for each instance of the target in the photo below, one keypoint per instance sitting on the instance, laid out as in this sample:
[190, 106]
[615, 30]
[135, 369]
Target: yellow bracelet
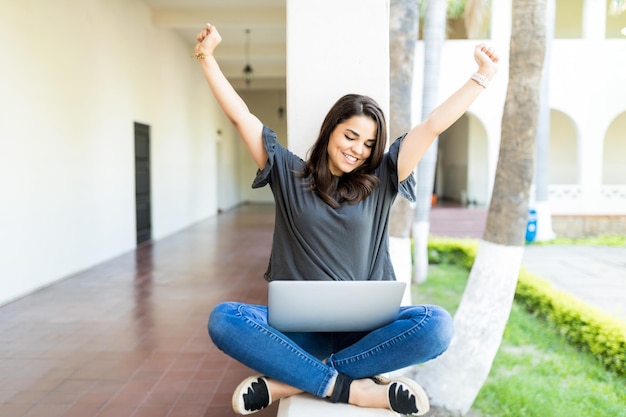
[201, 55]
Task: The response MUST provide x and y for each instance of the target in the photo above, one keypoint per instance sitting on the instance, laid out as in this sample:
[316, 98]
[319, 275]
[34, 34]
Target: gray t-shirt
[313, 241]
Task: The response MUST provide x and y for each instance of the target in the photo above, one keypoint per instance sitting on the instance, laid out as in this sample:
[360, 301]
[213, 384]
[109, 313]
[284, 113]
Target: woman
[345, 188]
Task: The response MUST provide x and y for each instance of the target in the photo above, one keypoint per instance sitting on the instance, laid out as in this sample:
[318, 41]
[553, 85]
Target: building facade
[587, 131]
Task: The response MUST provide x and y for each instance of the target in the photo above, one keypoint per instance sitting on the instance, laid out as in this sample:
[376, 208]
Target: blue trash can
[531, 226]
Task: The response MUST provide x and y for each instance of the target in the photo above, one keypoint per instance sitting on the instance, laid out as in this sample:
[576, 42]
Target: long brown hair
[358, 184]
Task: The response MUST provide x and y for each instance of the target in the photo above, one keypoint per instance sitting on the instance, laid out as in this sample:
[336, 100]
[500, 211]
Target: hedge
[603, 335]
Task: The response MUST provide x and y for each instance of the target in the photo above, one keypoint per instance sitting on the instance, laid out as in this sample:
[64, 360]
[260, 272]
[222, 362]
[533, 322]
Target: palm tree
[403, 29]
[434, 12]
[454, 379]
[542, 202]
[617, 6]
[434, 36]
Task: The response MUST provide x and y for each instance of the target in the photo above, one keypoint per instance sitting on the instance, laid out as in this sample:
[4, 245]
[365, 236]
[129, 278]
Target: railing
[588, 200]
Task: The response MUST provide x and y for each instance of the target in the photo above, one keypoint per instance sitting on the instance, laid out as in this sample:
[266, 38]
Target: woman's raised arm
[247, 124]
[420, 137]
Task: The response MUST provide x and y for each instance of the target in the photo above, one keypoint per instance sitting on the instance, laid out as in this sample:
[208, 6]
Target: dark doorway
[142, 182]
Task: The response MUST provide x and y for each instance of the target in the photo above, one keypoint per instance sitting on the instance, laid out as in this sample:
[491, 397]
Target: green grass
[603, 240]
[536, 372]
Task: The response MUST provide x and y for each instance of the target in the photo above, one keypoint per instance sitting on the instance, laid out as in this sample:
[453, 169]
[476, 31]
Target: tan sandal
[405, 396]
[251, 395]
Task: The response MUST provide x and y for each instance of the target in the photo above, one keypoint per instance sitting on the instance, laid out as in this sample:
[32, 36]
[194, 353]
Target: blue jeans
[311, 361]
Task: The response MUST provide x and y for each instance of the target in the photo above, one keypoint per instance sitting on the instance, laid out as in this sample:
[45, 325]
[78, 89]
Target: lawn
[602, 240]
[536, 372]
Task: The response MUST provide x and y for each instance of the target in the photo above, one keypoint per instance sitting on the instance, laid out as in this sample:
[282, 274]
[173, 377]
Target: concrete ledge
[306, 405]
[573, 226]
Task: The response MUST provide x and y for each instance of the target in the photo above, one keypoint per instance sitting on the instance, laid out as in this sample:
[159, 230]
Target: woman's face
[350, 144]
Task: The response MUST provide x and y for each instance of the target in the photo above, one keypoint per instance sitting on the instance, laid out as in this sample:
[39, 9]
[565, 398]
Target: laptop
[333, 306]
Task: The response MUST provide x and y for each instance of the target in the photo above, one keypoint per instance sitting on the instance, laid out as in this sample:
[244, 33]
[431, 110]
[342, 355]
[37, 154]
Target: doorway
[142, 183]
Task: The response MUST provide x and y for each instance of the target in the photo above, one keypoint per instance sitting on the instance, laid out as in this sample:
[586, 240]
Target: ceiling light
[247, 70]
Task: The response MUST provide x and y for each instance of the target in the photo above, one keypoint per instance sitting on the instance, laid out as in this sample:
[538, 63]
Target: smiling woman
[332, 212]
[352, 141]
[348, 149]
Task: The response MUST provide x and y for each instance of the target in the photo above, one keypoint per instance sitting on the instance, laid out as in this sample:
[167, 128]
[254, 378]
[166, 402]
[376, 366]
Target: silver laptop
[333, 306]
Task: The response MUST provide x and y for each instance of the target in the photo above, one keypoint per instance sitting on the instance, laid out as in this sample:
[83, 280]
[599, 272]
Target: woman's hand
[487, 59]
[208, 39]
[247, 124]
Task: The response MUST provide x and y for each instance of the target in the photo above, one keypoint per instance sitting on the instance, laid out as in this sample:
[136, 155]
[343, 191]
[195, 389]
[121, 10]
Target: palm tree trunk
[542, 200]
[454, 379]
[434, 36]
[403, 30]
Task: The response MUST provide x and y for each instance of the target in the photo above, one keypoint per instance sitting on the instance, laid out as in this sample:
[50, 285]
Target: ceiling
[267, 23]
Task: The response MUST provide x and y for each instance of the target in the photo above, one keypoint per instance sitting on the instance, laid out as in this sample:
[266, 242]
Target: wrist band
[482, 80]
[201, 55]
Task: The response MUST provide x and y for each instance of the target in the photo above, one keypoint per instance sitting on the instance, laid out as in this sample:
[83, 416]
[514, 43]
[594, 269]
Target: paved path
[594, 274]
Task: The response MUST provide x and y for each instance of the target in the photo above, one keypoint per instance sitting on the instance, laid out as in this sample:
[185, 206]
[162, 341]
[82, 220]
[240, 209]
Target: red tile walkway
[454, 221]
[127, 338]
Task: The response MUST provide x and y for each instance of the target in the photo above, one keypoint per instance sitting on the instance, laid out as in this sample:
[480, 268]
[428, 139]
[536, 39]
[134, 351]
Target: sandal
[251, 395]
[406, 396]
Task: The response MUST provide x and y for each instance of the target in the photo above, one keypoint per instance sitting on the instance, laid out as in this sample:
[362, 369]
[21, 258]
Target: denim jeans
[311, 361]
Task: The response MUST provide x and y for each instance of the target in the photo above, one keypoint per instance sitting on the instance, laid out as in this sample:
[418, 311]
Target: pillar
[333, 48]
[594, 19]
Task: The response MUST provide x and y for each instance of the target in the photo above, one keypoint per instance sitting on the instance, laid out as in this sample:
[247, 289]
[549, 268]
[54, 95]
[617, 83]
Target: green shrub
[449, 251]
[586, 327]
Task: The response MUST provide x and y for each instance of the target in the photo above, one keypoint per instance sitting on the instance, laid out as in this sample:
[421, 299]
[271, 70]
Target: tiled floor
[128, 338]
[448, 219]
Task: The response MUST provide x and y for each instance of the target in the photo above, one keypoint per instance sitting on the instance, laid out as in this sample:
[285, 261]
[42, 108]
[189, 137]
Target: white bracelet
[482, 80]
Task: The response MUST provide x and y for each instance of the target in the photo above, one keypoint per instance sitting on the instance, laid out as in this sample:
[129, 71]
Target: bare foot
[402, 395]
[366, 393]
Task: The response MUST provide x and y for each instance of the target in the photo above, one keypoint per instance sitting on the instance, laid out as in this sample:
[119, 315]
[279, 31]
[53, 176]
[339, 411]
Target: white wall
[228, 148]
[564, 144]
[264, 104]
[614, 155]
[478, 182]
[75, 75]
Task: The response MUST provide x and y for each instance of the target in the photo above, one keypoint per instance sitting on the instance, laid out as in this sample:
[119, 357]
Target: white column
[333, 48]
[594, 19]
[501, 15]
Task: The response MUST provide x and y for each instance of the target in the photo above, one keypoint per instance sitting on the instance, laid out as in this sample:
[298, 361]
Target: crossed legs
[314, 362]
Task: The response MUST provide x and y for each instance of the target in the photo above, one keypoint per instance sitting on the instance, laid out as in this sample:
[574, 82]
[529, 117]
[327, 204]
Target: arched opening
[614, 155]
[564, 159]
[462, 163]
